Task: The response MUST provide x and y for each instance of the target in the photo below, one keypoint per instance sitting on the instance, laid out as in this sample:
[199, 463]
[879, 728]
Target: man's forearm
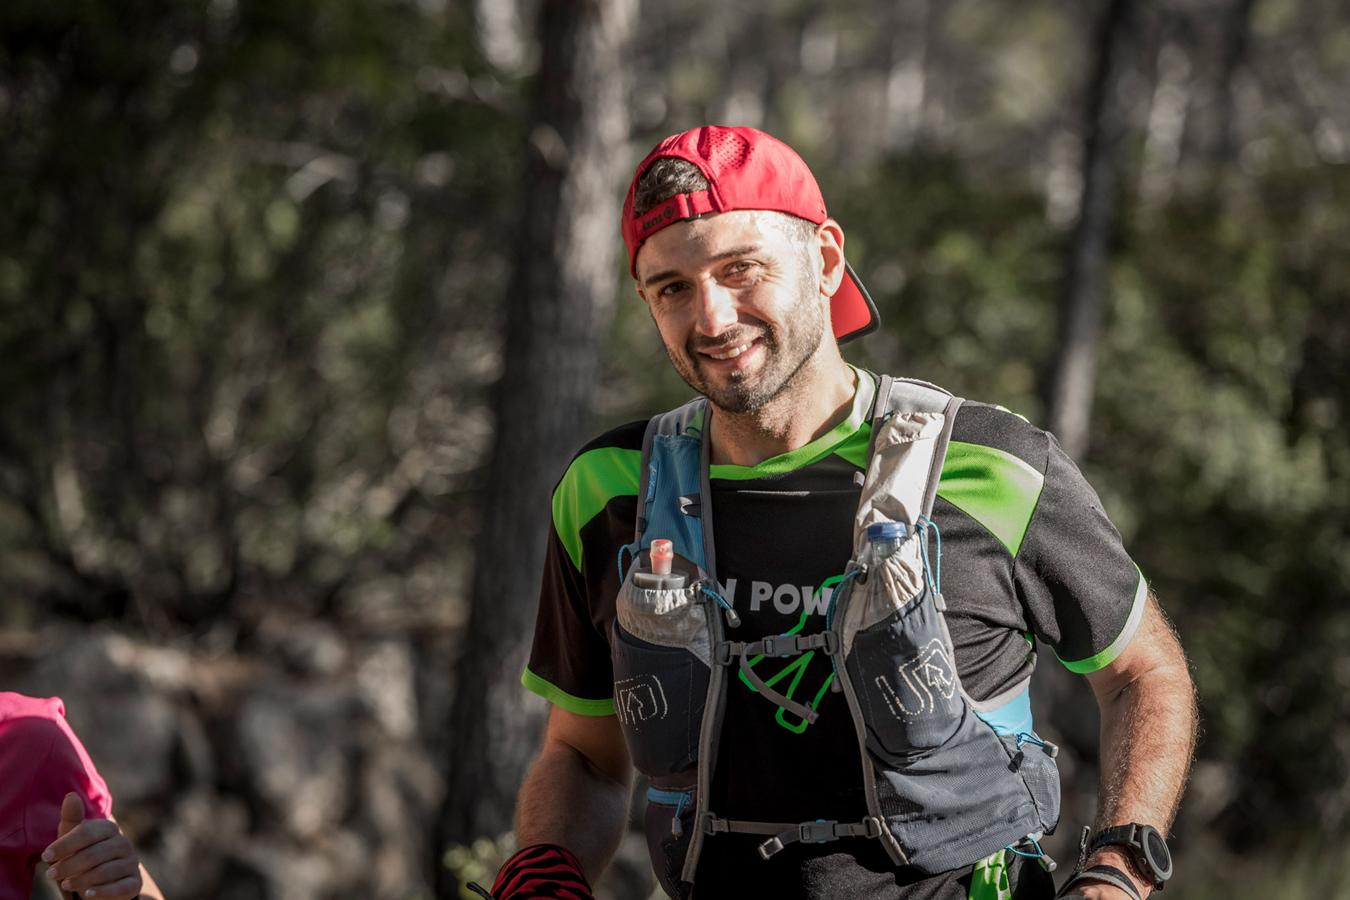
[1148, 736]
[565, 800]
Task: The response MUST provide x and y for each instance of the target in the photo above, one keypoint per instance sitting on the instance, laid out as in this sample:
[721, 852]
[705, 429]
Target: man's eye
[739, 268]
[670, 290]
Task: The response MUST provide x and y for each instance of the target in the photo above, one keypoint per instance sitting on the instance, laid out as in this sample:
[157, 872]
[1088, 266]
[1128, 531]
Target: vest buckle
[817, 832]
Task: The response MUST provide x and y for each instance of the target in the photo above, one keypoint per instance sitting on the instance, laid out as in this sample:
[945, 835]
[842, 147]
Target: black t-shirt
[1028, 556]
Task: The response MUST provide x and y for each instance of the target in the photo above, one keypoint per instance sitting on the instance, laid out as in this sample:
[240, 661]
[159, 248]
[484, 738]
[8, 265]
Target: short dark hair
[664, 179]
[669, 176]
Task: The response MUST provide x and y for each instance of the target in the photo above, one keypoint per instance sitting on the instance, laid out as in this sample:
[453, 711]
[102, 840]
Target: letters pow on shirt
[639, 699]
[923, 679]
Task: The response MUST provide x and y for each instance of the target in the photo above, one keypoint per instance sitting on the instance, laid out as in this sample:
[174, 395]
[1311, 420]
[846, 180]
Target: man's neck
[818, 402]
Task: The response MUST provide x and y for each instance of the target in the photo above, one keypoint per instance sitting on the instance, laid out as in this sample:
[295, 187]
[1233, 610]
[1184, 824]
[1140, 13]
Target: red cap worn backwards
[746, 169]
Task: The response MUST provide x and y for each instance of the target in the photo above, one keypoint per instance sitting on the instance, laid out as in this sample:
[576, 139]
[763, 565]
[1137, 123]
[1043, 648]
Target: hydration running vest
[948, 780]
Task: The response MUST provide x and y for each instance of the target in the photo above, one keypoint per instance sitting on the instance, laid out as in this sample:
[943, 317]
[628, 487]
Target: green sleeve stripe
[993, 487]
[591, 481]
[1112, 653]
[558, 697]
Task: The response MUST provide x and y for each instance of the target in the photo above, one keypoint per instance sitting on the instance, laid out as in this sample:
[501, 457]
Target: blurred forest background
[272, 271]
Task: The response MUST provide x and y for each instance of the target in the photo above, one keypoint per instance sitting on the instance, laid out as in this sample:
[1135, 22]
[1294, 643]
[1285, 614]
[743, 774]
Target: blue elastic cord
[1035, 843]
[829, 610]
[1026, 738]
[626, 548]
[721, 601]
[934, 581]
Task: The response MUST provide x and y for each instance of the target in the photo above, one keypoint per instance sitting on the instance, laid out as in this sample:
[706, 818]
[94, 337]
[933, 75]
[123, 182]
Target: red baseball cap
[746, 169]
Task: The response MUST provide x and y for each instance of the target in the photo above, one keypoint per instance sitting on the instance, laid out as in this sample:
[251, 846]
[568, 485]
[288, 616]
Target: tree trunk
[1069, 397]
[559, 304]
[1236, 36]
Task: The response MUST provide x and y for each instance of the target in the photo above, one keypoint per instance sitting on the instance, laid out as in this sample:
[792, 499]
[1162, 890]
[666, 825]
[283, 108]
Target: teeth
[732, 353]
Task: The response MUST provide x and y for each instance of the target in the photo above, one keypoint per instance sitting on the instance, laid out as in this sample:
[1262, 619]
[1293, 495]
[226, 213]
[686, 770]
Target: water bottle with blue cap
[885, 538]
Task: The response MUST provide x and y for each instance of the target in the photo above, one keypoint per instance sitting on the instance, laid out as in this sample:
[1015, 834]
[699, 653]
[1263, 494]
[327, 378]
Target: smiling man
[824, 702]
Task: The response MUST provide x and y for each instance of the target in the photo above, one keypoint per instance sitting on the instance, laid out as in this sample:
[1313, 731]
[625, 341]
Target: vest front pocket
[659, 694]
[1033, 761]
[669, 825]
[958, 804]
[905, 678]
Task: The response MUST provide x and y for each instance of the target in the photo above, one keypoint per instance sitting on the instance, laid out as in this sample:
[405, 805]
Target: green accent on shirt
[855, 448]
[805, 455]
[993, 487]
[989, 878]
[1115, 648]
[558, 697]
[591, 481]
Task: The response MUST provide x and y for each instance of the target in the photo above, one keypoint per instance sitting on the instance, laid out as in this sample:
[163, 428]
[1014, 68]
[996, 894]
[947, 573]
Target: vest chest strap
[778, 646]
[783, 833]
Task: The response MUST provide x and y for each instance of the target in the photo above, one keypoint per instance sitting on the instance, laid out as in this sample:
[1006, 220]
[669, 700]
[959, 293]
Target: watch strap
[1104, 874]
[1116, 834]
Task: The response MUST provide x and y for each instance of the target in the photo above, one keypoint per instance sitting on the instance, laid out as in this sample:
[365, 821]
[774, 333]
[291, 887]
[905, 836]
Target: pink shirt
[41, 760]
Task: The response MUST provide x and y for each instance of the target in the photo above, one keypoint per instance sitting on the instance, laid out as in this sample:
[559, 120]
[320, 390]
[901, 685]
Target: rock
[385, 681]
[119, 700]
[294, 744]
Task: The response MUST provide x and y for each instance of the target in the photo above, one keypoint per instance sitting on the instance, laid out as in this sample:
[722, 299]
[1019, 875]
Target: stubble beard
[785, 358]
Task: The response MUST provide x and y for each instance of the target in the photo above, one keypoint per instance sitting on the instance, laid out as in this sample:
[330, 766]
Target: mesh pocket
[667, 845]
[659, 694]
[1041, 775]
[905, 678]
[957, 804]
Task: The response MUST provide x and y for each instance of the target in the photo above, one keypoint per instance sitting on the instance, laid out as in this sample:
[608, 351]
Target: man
[48, 784]
[753, 746]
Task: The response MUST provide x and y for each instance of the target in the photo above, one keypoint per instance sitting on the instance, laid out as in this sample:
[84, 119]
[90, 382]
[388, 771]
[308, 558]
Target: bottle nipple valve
[663, 554]
[660, 577]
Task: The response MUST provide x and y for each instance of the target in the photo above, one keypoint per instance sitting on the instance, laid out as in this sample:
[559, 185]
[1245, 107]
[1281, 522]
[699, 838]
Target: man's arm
[576, 792]
[1148, 732]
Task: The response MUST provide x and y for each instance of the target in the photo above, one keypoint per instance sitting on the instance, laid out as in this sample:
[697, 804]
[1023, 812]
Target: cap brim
[852, 312]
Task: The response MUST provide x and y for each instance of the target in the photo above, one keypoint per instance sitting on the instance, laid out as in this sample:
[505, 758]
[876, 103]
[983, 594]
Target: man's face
[737, 299]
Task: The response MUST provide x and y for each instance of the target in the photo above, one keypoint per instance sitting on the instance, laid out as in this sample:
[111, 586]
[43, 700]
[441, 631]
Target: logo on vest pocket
[923, 680]
[639, 699]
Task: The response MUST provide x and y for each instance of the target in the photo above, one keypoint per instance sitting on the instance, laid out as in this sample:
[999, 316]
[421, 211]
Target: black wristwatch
[1147, 847]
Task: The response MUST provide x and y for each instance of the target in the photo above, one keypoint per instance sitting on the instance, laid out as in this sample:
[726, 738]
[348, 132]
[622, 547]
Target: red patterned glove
[541, 872]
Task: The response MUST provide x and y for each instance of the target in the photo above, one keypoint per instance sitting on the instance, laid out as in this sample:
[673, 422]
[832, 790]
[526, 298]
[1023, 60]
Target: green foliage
[232, 248]
[478, 862]
[1221, 419]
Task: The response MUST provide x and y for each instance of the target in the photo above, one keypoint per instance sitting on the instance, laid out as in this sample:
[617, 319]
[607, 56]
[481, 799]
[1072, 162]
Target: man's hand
[92, 857]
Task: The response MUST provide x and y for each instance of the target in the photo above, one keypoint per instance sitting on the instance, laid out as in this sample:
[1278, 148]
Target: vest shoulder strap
[910, 395]
[687, 419]
[907, 398]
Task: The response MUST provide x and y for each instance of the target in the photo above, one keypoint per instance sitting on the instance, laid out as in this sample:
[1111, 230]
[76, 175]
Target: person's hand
[92, 857]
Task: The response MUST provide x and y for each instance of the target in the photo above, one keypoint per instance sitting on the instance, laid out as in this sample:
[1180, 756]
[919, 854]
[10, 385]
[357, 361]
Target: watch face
[1156, 853]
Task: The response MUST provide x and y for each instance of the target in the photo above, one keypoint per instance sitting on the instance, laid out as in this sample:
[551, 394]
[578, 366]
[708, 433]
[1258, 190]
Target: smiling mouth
[730, 352]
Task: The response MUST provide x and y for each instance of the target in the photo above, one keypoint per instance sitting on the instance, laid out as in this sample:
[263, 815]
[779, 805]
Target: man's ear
[831, 245]
[637, 289]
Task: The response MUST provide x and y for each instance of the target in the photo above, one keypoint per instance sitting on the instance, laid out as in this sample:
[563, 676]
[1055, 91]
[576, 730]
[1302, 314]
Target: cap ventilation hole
[725, 150]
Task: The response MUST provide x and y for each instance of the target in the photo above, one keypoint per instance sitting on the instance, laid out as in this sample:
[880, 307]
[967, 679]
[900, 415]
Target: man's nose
[717, 308]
